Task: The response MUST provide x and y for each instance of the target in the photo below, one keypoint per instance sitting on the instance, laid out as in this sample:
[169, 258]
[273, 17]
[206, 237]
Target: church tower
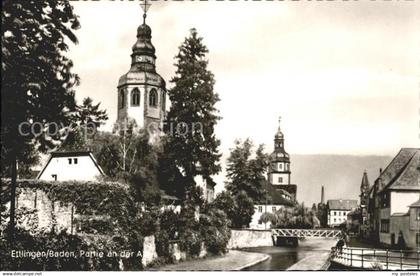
[279, 173]
[279, 170]
[364, 196]
[142, 91]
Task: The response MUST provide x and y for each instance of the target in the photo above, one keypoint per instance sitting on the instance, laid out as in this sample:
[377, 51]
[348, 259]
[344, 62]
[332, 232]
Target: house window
[70, 161]
[260, 209]
[122, 99]
[274, 209]
[385, 226]
[135, 97]
[280, 179]
[385, 200]
[418, 213]
[153, 97]
[280, 166]
[335, 220]
[339, 213]
[75, 160]
[335, 213]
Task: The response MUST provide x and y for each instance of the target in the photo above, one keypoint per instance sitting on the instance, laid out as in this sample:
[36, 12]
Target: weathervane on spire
[145, 7]
[279, 121]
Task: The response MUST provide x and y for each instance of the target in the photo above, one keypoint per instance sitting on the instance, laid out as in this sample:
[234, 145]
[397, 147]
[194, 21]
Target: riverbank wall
[244, 238]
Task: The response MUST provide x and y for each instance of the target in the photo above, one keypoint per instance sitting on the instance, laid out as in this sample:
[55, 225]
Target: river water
[284, 257]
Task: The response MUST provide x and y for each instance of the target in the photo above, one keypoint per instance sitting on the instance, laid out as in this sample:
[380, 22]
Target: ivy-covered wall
[105, 216]
[97, 216]
[73, 206]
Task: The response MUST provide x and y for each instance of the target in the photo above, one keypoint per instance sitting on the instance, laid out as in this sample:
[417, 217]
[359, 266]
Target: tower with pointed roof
[279, 170]
[142, 91]
[364, 196]
[279, 173]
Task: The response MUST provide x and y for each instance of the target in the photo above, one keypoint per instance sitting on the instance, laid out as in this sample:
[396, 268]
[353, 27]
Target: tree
[225, 202]
[37, 82]
[88, 114]
[244, 210]
[314, 209]
[239, 209]
[87, 118]
[245, 173]
[268, 217]
[129, 157]
[191, 143]
[322, 214]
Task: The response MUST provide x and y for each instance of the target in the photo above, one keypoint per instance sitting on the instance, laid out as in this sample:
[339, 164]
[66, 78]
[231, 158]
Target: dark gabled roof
[409, 177]
[70, 153]
[402, 173]
[277, 196]
[341, 204]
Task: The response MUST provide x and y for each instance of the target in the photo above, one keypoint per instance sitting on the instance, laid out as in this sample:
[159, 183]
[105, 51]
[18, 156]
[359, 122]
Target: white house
[338, 209]
[62, 166]
[394, 200]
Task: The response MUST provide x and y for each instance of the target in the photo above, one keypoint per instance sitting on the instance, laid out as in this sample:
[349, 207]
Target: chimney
[322, 195]
[380, 171]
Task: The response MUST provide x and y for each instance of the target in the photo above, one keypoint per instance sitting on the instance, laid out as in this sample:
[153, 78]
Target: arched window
[135, 97]
[153, 97]
[122, 99]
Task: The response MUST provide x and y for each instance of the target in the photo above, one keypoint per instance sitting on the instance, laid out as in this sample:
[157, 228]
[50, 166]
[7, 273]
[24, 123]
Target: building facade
[338, 209]
[141, 92]
[78, 166]
[393, 201]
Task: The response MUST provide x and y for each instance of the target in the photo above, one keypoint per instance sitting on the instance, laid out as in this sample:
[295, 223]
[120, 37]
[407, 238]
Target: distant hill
[341, 175]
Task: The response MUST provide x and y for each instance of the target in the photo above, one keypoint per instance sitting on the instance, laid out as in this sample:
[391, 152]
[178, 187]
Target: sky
[344, 76]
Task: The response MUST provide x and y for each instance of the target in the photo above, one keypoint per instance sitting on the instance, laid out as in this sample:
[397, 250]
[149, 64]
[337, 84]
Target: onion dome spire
[279, 153]
[143, 56]
[279, 134]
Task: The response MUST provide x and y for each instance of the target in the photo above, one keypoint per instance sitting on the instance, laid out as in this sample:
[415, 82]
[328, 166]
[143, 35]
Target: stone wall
[39, 213]
[149, 251]
[242, 238]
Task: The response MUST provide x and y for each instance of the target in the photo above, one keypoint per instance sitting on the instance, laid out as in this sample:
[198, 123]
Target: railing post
[387, 257]
[401, 259]
[418, 260]
[362, 258]
[351, 257]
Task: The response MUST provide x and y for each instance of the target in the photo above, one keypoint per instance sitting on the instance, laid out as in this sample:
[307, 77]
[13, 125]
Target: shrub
[214, 230]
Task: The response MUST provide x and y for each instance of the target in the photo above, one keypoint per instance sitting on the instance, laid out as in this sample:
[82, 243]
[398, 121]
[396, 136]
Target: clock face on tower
[144, 59]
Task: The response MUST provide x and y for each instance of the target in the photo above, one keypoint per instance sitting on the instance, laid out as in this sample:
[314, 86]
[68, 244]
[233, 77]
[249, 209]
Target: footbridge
[305, 233]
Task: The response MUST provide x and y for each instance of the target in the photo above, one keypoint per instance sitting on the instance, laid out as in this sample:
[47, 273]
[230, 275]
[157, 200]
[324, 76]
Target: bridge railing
[326, 233]
[381, 259]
